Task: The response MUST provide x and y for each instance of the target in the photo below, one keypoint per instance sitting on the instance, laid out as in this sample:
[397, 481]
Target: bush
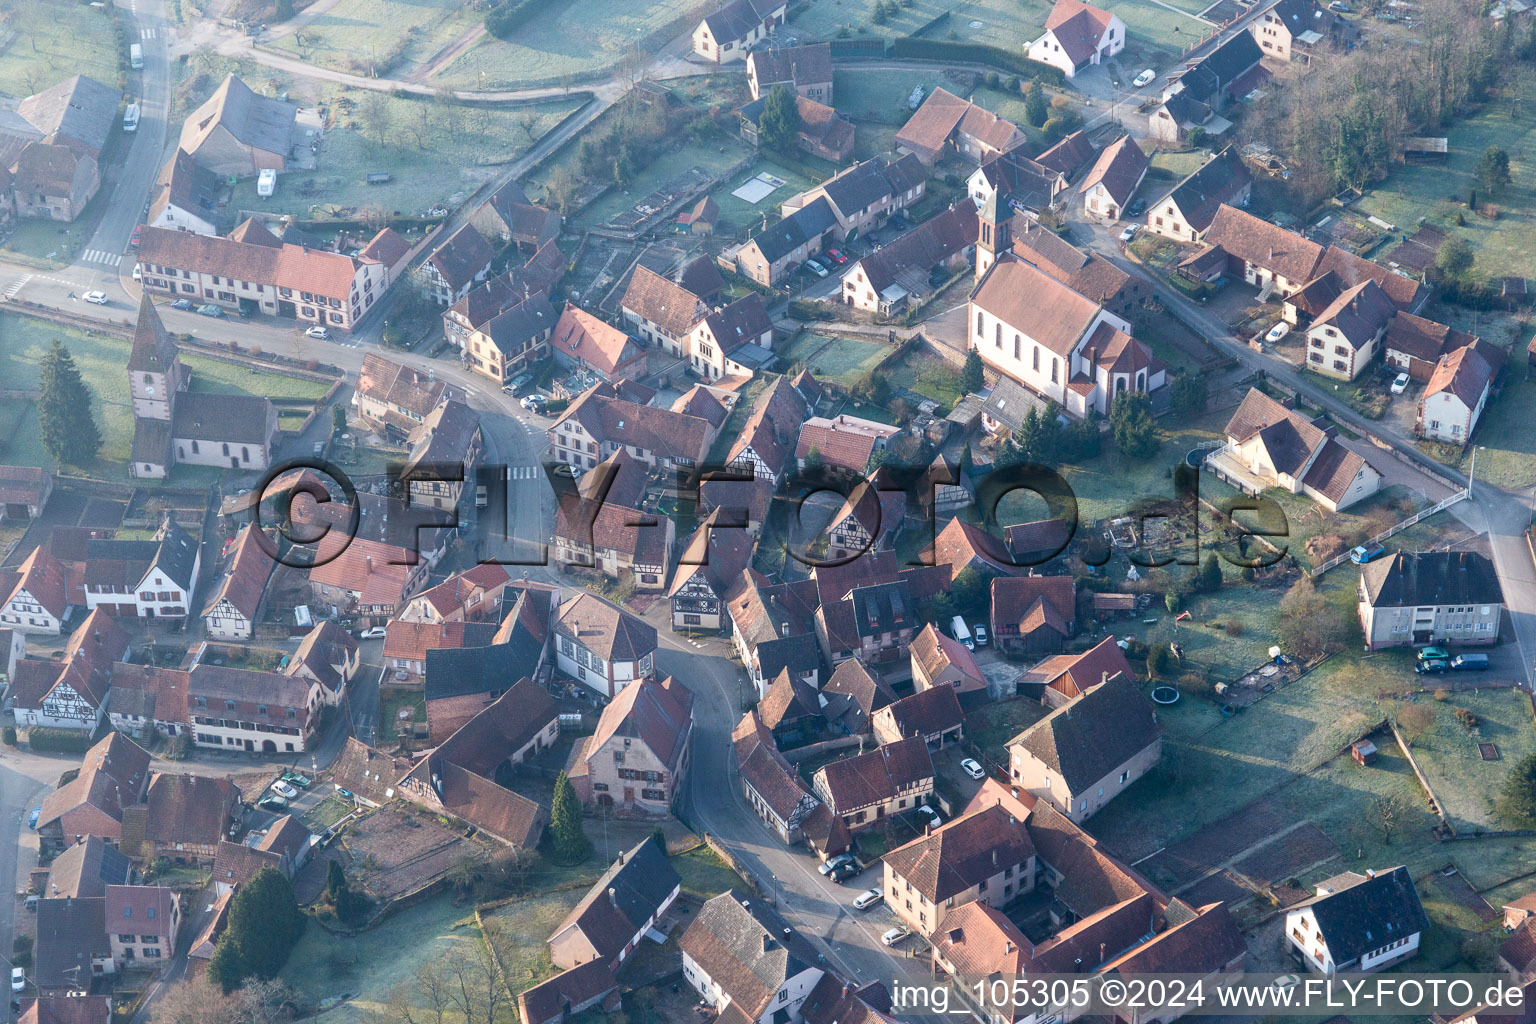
[8, 735]
[505, 19]
[945, 50]
[1467, 719]
[1234, 628]
[58, 741]
[1012, 85]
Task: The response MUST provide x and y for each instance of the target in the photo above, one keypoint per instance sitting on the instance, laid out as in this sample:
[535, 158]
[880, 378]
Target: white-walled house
[726, 35]
[739, 953]
[1454, 398]
[1357, 922]
[38, 602]
[602, 646]
[1078, 36]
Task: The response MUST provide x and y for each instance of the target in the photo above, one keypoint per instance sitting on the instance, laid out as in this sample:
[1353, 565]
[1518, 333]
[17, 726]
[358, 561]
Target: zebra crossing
[524, 472]
[106, 259]
[17, 285]
[148, 33]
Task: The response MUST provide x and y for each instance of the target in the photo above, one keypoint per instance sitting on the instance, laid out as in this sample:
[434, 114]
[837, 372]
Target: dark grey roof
[628, 895]
[1222, 66]
[1217, 181]
[747, 948]
[86, 869]
[1087, 738]
[79, 108]
[799, 654]
[1367, 915]
[512, 328]
[177, 555]
[1431, 578]
[883, 608]
[236, 419]
[1011, 401]
[793, 231]
[458, 672]
[69, 931]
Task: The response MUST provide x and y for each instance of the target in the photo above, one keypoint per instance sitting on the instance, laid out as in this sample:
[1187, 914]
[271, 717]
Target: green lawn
[704, 874]
[221, 378]
[714, 158]
[421, 140]
[1506, 454]
[845, 360]
[1439, 192]
[45, 242]
[1467, 785]
[929, 375]
[519, 933]
[736, 213]
[366, 968]
[385, 38]
[573, 39]
[47, 41]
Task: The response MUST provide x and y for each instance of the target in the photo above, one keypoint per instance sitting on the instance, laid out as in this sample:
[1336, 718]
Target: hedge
[506, 18]
[59, 741]
[975, 53]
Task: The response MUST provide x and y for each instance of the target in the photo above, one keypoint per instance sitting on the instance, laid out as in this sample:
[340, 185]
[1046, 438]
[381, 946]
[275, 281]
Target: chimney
[1101, 952]
[767, 942]
[994, 858]
[1370, 872]
[613, 896]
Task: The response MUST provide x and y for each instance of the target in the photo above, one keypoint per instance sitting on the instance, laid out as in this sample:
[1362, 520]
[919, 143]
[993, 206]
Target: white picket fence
[1423, 513]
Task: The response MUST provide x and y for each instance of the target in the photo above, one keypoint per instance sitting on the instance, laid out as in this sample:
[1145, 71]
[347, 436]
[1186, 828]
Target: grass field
[704, 874]
[47, 41]
[100, 360]
[1008, 24]
[573, 39]
[519, 932]
[845, 360]
[388, 38]
[738, 213]
[929, 375]
[1467, 785]
[716, 157]
[421, 139]
[366, 967]
[1439, 192]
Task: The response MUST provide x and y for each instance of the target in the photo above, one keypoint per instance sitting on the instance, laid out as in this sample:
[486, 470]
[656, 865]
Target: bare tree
[561, 190]
[447, 110]
[528, 122]
[377, 116]
[374, 217]
[1387, 814]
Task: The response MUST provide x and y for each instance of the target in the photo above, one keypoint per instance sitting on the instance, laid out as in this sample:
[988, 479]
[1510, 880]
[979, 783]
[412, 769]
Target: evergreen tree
[971, 379]
[338, 419]
[264, 923]
[1035, 110]
[1454, 258]
[570, 841]
[69, 433]
[1518, 801]
[335, 881]
[1210, 574]
[780, 122]
[1131, 423]
[1188, 393]
[1493, 168]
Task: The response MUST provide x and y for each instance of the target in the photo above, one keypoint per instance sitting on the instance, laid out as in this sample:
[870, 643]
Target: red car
[133, 243]
[837, 257]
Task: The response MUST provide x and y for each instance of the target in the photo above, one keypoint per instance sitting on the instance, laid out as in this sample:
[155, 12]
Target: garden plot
[1448, 751]
[43, 42]
[381, 38]
[844, 360]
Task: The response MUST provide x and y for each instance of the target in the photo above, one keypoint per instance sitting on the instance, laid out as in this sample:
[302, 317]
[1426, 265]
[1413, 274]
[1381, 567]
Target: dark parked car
[182, 304]
[1431, 666]
[1136, 208]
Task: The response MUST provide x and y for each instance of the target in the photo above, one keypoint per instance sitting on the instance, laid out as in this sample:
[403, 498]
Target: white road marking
[148, 33]
[19, 284]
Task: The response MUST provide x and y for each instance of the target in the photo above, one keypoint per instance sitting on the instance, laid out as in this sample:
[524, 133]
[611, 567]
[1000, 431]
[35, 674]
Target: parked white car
[1277, 332]
[318, 333]
[98, 298]
[929, 816]
[18, 979]
[894, 935]
[973, 769]
[1400, 384]
[284, 790]
[372, 633]
[1129, 233]
[867, 899]
[1145, 78]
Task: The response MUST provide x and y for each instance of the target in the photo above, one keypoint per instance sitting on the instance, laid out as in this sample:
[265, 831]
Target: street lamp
[1472, 469]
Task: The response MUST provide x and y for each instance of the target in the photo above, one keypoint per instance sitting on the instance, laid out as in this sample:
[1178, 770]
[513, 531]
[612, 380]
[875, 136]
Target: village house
[602, 646]
[1430, 597]
[231, 610]
[1055, 341]
[745, 962]
[1357, 922]
[863, 197]
[1025, 185]
[823, 132]
[396, 399]
[1455, 395]
[661, 310]
[1033, 614]
[766, 445]
[456, 266]
[733, 340]
[637, 759]
[845, 441]
[71, 945]
[599, 524]
[456, 778]
[773, 627]
[445, 452]
[474, 595]
[1343, 338]
[873, 623]
[1064, 677]
[252, 269]
[775, 792]
[38, 602]
[238, 132]
[1083, 754]
[369, 578]
[328, 656]
[509, 216]
[1086, 273]
[54, 140]
[621, 906]
[1077, 36]
[853, 694]
[726, 35]
[712, 560]
[933, 713]
[865, 788]
[773, 252]
[1290, 30]
[583, 342]
[84, 869]
[461, 682]
[70, 692]
[142, 922]
[1114, 179]
[805, 69]
[599, 423]
[182, 818]
[1269, 445]
[1229, 71]
[791, 711]
[187, 197]
[245, 709]
[1185, 213]
[406, 644]
[903, 272]
[570, 992]
[984, 856]
[114, 774]
[499, 294]
[514, 340]
[947, 124]
[943, 662]
[147, 579]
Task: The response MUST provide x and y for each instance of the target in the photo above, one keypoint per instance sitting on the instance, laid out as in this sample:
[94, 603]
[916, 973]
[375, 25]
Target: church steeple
[992, 233]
